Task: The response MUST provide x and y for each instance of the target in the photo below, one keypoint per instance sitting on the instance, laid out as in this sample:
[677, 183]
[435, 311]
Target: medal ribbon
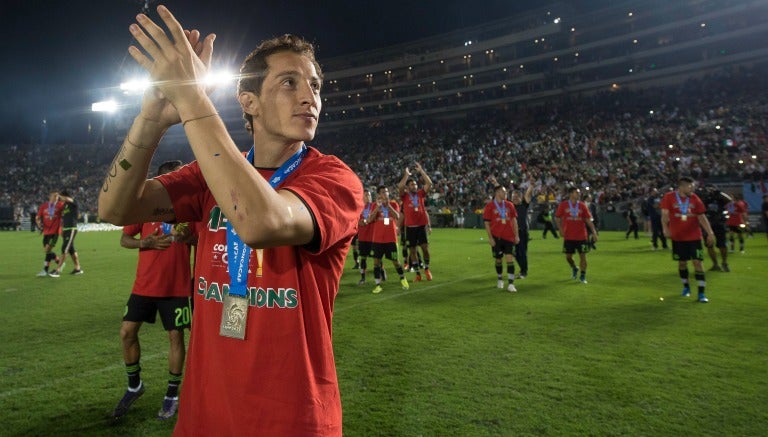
[502, 209]
[385, 210]
[167, 228]
[574, 209]
[51, 209]
[239, 253]
[683, 206]
[414, 200]
[367, 211]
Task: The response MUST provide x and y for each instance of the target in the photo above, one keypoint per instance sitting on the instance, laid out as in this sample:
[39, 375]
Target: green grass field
[454, 356]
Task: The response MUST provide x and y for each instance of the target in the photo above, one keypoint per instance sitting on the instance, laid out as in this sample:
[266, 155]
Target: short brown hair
[254, 67]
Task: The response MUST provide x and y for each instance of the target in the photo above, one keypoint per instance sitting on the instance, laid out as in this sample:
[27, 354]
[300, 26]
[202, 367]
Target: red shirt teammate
[737, 221]
[500, 218]
[278, 227]
[573, 218]
[48, 220]
[416, 220]
[683, 214]
[365, 235]
[383, 219]
[162, 285]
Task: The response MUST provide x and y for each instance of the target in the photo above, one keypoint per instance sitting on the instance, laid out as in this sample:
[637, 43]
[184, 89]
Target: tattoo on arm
[112, 172]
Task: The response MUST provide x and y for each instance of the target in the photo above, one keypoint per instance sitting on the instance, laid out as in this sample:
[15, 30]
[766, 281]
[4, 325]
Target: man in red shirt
[384, 218]
[573, 218]
[500, 219]
[365, 235]
[683, 214]
[416, 219]
[162, 285]
[277, 228]
[48, 219]
[737, 221]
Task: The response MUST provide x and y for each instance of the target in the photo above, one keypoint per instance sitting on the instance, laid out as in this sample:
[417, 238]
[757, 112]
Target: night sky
[60, 56]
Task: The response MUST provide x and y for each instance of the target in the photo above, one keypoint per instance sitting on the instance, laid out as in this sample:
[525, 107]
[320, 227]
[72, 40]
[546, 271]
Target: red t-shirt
[573, 220]
[385, 233]
[365, 232]
[50, 214]
[413, 208]
[281, 380]
[500, 218]
[161, 273]
[736, 211]
[679, 229]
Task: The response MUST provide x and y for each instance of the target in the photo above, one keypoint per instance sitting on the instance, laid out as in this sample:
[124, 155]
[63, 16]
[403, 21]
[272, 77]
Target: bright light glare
[219, 78]
[104, 106]
[135, 87]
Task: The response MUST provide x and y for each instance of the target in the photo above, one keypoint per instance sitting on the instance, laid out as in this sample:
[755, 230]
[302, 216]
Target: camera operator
[716, 202]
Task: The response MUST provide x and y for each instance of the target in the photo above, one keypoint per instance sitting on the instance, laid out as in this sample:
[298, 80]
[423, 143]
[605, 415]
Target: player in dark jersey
[69, 216]
[716, 203]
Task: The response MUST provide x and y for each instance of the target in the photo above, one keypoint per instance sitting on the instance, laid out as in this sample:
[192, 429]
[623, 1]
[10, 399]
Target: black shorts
[365, 248]
[502, 247]
[737, 229]
[719, 232]
[687, 250]
[354, 240]
[50, 240]
[573, 246]
[68, 241]
[175, 312]
[385, 250]
[415, 236]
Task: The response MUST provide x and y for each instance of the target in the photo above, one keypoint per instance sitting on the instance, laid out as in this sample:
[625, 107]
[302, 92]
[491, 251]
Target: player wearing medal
[162, 285]
[277, 225]
[573, 218]
[500, 219]
[365, 234]
[383, 218]
[416, 220]
[683, 214]
[48, 220]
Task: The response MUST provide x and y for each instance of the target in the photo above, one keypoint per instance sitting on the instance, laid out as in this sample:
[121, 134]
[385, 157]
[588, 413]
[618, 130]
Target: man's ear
[249, 103]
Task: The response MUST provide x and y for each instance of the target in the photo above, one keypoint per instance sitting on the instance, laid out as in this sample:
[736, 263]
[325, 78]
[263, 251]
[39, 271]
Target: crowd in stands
[619, 143]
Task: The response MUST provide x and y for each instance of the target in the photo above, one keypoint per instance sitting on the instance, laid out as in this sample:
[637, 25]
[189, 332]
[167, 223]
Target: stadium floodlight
[104, 106]
[215, 78]
[135, 87]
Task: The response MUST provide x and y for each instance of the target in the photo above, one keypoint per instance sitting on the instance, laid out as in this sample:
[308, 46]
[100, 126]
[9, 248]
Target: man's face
[501, 194]
[412, 187]
[686, 188]
[574, 195]
[516, 198]
[384, 194]
[289, 105]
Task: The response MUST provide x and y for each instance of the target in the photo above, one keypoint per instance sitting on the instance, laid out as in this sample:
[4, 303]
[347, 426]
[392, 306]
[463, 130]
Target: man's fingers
[207, 51]
[140, 57]
[151, 37]
[177, 32]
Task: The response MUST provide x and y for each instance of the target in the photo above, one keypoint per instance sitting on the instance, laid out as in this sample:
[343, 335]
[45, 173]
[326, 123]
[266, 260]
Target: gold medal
[684, 217]
[234, 314]
[416, 209]
[503, 221]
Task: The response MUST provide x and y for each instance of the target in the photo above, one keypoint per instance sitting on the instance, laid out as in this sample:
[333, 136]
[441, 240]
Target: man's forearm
[127, 174]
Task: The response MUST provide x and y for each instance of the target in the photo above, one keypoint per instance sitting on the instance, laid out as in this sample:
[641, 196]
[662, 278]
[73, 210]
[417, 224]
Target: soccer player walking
[573, 218]
[416, 219]
[683, 214]
[383, 218]
[500, 219]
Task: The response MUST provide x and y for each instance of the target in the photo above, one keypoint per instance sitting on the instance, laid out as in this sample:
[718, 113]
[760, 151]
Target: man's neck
[273, 155]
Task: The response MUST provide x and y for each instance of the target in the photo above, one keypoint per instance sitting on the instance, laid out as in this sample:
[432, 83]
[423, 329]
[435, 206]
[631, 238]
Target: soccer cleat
[715, 268]
[125, 403]
[404, 284]
[54, 274]
[500, 284]
[42, 274]
[726, 268]
[417, 278]
[521, 276]
[428, 274]
[361, 282]
[511, 288]
[686, 292]
[76, 272]
[583, 280]
[703, 298]
[356, 267]
[377, 290]
[574, 273]
[168, 409]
